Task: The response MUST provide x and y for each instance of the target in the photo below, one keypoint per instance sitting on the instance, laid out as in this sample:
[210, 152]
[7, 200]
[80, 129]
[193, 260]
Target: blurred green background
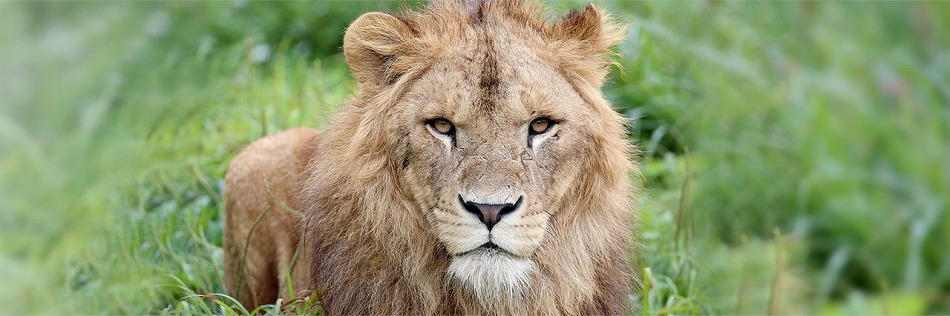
[795, 154]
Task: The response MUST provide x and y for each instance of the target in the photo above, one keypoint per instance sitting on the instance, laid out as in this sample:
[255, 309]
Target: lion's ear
[583, 40]
[372, 44]
[583, 25]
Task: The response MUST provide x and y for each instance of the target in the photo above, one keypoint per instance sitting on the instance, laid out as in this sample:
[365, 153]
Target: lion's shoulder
[262, 179]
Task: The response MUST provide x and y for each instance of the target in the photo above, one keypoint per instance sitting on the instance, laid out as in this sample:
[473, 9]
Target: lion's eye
[442, 126]
[540, 125]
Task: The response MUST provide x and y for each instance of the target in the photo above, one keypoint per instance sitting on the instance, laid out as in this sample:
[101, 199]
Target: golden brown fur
[384, 194]
[261, 180]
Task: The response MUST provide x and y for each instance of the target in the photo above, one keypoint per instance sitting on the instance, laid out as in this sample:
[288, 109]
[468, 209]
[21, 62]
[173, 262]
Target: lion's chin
[492, 274]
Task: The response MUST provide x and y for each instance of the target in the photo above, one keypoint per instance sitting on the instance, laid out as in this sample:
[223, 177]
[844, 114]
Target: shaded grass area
[795, 153]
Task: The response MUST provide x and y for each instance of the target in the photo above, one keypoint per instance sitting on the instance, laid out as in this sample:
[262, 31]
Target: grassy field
[796, 154]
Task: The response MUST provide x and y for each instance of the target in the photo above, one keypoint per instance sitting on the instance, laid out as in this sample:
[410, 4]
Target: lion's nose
[490, 214]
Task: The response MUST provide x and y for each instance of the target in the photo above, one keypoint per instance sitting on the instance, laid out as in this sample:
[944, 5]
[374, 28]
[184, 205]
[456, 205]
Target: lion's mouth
[488, 248]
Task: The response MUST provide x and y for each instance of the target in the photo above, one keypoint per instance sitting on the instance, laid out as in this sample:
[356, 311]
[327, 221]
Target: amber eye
[442, 126]
[540, 125]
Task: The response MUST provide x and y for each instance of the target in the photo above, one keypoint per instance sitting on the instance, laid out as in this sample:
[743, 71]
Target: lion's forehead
[485, 70]
[507, 89]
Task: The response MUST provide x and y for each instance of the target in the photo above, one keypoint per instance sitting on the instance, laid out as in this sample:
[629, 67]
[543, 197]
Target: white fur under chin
[492, 276]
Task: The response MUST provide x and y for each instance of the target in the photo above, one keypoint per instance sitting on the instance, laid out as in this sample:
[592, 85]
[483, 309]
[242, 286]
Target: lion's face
[492, 143]
[491, 120]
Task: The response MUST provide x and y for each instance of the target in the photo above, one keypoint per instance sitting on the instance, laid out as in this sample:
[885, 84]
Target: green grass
[794, 153]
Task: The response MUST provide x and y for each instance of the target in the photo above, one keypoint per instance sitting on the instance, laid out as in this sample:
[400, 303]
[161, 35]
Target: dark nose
[490, 214]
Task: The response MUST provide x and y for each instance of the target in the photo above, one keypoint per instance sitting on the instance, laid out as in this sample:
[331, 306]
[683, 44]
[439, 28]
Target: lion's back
[262, 179]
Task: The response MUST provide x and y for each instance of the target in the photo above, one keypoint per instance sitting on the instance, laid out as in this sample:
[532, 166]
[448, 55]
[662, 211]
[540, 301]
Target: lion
[478, 170]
